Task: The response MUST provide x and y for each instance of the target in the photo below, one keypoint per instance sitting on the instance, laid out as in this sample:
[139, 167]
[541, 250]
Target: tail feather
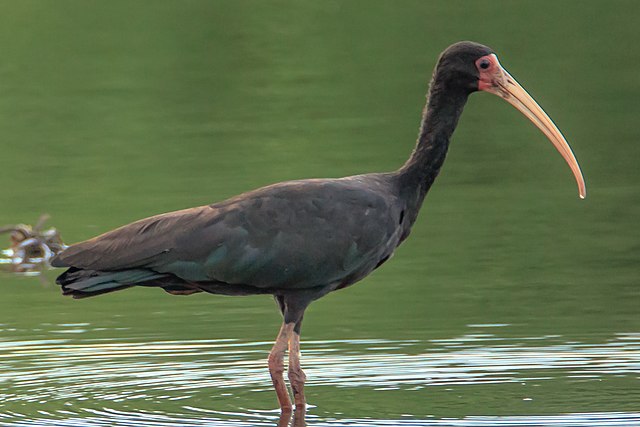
[81, 283]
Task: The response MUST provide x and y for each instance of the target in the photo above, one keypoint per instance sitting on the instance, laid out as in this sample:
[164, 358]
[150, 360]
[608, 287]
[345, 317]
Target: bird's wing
[133, 245]
[297, 234]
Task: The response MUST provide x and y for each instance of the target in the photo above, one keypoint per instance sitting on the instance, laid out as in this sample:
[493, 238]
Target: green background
[512, 298]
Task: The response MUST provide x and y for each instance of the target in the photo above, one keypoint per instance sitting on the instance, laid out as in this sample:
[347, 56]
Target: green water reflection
[113, 111]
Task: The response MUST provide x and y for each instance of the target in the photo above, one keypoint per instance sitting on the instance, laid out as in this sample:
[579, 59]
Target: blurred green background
[113, 111]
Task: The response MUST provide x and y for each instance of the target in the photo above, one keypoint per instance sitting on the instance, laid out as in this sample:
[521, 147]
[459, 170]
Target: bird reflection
[297, 418]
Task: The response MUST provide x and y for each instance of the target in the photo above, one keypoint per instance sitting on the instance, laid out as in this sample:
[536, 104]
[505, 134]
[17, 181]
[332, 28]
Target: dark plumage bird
[299, 240]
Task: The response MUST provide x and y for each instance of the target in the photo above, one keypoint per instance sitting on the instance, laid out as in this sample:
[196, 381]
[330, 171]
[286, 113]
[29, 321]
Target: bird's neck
[439, 120]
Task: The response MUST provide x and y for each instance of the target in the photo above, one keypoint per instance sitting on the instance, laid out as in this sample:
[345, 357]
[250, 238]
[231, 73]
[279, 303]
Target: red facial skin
[490, 75]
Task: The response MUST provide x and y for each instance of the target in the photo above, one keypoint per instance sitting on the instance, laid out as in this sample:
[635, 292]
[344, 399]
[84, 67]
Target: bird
[300, 240]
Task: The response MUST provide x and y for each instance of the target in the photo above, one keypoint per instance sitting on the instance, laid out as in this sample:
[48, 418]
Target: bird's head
[472, 67]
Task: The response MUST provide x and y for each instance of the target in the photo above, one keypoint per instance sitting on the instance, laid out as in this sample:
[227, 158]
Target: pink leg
[296, 375]
[285, 417]
[298, 418]
[276, 366]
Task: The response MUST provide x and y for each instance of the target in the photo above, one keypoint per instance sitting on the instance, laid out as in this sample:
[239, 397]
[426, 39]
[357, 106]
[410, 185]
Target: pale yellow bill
[509, 89]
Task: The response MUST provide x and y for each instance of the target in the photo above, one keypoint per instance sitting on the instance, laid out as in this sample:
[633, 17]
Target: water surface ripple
[118, 377]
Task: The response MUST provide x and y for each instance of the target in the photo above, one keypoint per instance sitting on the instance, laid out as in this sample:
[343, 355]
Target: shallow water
[92, 382]
[513, 303]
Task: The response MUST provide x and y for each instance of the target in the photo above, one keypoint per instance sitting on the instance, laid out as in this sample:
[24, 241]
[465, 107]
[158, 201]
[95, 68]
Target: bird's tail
[81, 283]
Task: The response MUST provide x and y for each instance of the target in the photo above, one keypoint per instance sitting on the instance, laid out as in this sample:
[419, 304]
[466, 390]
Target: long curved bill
[506, 87]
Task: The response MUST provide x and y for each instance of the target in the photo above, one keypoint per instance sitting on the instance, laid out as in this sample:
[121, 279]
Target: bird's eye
[484, 64]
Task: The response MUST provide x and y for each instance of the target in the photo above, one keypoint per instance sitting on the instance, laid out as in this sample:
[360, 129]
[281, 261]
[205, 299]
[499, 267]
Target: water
[513, 303]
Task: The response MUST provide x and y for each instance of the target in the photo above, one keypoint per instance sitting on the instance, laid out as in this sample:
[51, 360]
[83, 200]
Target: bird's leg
[285, 417]
[296, 375]
[292, 308]
[276, 366]
[299, 419]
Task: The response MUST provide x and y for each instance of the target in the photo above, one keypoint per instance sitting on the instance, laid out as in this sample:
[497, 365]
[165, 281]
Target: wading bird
[299, 240]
